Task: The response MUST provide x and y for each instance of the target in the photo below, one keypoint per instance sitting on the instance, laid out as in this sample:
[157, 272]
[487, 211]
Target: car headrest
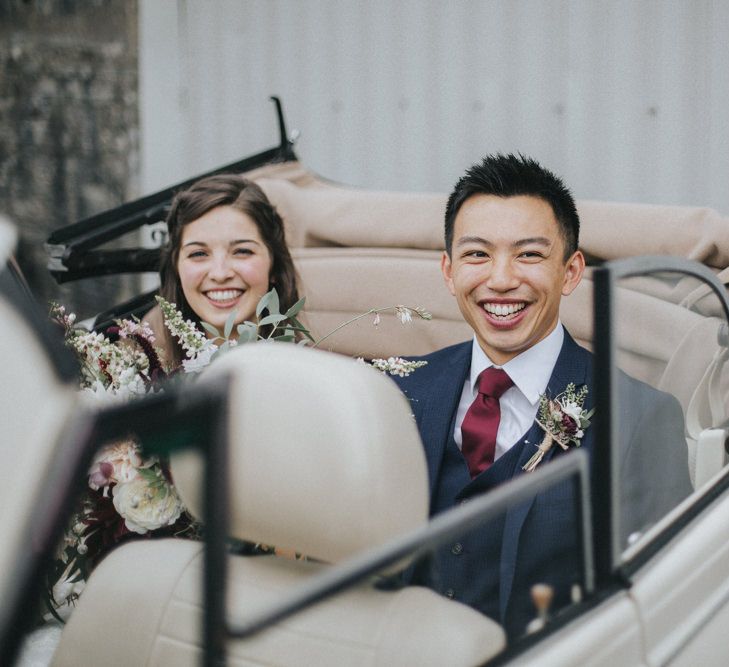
[34, 408]
[325, 457]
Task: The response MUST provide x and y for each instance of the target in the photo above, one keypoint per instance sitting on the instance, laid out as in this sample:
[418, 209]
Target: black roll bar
[71, 249]
[609, 565]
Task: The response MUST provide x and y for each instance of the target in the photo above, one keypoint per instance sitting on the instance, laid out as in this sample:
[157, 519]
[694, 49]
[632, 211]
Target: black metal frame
[71, 249]
[164, 422]
[609, 564]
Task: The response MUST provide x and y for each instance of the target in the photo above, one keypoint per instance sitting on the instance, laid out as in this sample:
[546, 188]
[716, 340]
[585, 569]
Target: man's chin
[502, 346]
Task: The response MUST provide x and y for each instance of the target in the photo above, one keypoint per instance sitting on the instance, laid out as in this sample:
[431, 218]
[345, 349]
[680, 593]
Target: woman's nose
[220, 268]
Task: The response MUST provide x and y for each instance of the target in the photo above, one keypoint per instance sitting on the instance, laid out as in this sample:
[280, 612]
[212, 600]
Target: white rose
[200, 360]
[146, 506]
[573, 410]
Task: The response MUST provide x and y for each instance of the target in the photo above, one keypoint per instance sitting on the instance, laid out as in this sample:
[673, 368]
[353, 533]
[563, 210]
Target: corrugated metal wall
[628, 100]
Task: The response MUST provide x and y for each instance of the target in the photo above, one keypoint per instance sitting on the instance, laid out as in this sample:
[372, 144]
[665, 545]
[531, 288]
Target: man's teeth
[223, 295]
[503, 309]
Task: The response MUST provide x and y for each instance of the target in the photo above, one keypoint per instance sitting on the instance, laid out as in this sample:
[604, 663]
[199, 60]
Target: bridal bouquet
[129, 494]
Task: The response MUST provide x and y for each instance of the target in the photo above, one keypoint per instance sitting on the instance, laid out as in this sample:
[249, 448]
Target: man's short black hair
[510, 176]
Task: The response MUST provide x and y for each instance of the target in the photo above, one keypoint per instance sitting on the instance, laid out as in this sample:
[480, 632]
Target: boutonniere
[563, 420]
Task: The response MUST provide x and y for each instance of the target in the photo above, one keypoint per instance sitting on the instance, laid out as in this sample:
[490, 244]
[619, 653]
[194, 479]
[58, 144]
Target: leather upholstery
[326, 460]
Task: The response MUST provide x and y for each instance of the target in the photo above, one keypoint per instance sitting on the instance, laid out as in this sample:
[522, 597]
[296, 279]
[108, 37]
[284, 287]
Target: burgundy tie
[482, 420]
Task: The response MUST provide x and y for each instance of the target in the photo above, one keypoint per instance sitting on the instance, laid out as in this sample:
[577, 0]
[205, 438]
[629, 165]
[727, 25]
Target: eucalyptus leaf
[272, 319]
[302, 328]
[148, 475]
[291, 312]
[229, 324]
[247, 332]
[210, 329]
[287, 338]
[264, 301]
[273, 305]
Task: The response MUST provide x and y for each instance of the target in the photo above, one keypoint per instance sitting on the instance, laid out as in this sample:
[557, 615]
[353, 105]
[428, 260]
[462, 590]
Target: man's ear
[574, 269]
[447, 269]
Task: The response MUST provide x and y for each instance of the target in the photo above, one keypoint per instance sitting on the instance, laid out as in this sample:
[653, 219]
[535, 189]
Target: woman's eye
[242, 251]
[196, 253]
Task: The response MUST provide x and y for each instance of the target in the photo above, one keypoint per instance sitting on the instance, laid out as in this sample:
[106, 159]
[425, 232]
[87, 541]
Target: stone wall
[68, 129]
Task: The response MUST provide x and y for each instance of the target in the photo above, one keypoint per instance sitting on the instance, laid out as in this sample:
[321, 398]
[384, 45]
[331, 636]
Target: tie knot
[493, 382]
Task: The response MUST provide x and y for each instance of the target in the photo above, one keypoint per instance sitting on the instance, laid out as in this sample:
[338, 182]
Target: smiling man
[511, 236]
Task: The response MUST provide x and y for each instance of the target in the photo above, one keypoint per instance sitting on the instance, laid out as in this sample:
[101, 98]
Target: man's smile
[504, 315]
[503, 310]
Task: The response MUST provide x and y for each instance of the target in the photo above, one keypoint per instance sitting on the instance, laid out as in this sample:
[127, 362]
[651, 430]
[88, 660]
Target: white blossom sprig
[190, 337]
[397, 366]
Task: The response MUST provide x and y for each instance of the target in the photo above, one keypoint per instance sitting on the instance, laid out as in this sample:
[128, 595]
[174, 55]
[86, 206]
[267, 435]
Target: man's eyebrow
[464, 240]
[533, 240]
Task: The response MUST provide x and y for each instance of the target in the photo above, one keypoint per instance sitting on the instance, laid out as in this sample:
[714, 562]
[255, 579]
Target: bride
[226, 249]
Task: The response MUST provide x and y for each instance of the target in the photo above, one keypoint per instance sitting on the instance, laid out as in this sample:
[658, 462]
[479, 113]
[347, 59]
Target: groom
[511, 235]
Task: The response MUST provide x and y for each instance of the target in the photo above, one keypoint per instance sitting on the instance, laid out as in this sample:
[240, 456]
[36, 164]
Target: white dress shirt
[530, 372]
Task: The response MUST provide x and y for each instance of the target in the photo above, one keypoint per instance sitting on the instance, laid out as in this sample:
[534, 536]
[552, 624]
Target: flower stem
[371, 311]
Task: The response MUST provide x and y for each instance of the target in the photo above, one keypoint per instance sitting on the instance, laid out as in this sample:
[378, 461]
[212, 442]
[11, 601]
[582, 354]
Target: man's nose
[502, 275]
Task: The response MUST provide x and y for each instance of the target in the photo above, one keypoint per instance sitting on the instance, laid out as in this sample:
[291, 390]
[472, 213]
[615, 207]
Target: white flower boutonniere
[563, 420]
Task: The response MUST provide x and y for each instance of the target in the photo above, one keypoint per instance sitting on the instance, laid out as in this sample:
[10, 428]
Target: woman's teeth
[224, 295]
[503, 309]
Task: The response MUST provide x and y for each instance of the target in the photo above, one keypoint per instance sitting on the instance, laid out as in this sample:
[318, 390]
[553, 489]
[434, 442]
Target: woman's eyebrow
[237, 241]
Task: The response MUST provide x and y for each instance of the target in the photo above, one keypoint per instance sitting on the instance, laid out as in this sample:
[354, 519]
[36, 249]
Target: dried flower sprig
[403, 313]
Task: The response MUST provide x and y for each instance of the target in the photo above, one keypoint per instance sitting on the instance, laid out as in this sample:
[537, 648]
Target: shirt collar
[529, 371]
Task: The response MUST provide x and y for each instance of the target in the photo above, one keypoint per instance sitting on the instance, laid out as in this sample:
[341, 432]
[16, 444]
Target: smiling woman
[226, 249]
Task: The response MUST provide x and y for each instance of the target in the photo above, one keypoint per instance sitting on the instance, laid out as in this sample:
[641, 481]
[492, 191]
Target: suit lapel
[572, 366]
[439, 405]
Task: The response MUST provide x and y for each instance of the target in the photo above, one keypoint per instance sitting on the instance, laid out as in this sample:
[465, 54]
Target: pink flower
[101, 475]
[115, 463]
[569, 424]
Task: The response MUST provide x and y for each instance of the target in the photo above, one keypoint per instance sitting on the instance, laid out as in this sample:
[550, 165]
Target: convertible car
[315, 453]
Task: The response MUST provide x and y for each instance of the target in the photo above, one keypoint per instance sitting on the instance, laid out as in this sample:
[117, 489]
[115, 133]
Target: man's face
[508, 273]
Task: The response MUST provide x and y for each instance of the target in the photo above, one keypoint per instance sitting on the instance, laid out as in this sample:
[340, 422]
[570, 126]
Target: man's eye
[476, 254]
[531, 254]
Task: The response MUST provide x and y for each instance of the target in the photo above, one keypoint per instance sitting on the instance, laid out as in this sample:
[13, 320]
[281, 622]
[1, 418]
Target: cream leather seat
[325, 460]
[36, 406]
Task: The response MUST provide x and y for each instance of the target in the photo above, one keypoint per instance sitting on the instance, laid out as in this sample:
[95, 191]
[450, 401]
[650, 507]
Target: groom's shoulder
[446, 353]
[444, 360]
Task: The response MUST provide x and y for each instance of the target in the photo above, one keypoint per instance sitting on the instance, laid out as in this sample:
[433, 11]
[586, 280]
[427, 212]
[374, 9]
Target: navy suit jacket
[538, 537]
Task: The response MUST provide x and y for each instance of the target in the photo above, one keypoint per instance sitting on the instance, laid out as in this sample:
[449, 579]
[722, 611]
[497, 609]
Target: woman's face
[224, 266]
